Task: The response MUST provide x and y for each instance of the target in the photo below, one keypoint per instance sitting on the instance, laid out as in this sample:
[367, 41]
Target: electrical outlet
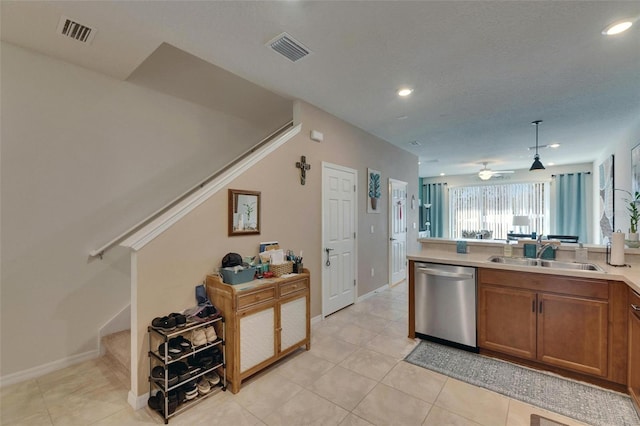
[372, 229]
[414, 225]
[372, 272]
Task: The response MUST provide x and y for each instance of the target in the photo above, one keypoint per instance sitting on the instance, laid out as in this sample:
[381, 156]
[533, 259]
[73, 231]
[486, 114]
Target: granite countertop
[479, 255]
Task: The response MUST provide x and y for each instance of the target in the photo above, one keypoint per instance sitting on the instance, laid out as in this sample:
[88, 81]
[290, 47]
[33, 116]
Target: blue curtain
[571, 204]
[433, 195]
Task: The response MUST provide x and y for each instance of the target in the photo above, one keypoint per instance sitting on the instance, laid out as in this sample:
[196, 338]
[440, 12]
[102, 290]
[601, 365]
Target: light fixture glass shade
[537, 164]
[485, 174]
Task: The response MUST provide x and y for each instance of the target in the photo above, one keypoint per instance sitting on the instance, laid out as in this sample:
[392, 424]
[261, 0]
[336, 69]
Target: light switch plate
[461, 246]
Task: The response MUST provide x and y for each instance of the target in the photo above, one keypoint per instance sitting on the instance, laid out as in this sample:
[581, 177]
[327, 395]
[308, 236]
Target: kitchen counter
[443, 251]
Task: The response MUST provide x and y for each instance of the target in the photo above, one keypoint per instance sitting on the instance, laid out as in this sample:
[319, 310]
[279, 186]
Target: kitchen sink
[543, 263]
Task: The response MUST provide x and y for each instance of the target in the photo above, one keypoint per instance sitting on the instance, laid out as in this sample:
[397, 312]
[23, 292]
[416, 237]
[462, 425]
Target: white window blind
[492, 207]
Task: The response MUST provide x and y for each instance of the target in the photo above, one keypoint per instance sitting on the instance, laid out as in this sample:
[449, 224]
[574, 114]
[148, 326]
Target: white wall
[621, 150]
[84, 157]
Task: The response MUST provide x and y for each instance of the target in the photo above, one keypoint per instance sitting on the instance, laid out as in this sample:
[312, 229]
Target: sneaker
[181, 320]
[164, 323]
[210, 332]
[212, 377]
[203, 386]
[198, 337]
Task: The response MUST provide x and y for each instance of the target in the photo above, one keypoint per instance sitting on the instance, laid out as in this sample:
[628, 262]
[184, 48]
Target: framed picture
[606, 188]
[635, 169]
[374, 192]
[244, 212]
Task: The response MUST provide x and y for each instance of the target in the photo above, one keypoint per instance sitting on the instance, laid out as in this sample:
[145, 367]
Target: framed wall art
[244, 212]
[606, 189]
[374, 192]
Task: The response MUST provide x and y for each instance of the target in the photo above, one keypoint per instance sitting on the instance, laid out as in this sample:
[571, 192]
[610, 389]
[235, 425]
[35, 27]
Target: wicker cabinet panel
[257, 333]
[293, 322]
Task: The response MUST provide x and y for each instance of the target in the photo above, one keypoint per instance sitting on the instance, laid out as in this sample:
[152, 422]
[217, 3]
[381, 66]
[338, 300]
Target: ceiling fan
[486, 174]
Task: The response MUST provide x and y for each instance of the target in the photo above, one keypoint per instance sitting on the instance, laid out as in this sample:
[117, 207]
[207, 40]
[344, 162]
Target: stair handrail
[286, 129]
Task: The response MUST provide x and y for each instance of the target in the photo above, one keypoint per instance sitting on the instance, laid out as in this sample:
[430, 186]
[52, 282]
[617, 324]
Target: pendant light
[537, 165]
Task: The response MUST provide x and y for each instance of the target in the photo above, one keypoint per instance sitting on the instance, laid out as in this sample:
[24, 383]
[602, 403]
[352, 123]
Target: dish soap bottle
[582, 255]
[507, 250]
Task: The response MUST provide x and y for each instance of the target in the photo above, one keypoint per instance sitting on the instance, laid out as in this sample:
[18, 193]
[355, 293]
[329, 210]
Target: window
[492, 207]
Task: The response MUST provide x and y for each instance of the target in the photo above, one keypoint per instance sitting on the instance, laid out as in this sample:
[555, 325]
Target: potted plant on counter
[632, 239]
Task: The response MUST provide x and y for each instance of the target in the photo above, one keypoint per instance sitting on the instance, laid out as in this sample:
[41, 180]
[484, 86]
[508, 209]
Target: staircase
[117, 354]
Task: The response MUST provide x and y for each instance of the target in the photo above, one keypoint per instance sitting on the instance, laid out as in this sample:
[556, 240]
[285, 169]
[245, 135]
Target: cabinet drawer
[254, 297]
[292, 287]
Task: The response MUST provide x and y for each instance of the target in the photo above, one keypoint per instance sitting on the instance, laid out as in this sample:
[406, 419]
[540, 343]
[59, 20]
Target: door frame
[390, 229]
[326, 165]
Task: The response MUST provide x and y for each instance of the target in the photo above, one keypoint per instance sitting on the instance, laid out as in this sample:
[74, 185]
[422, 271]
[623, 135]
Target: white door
[397, 231]
[338, 237]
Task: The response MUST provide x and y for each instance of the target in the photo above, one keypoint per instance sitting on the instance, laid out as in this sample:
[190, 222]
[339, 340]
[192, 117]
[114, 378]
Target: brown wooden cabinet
[560, 321]
[266, 320]
[634, 348]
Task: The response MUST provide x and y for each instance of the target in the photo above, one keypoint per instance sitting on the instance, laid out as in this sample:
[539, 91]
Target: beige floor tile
[261, 397]
[439, 416]
[416, 381]
[370, 322]
[332, 349]
[385, 405]
[396, 347]
[353, 420]
[129, 417]
[304, 369]
[355, 335]
[75, 410]
[228, 412]
[368, 363]
[307, 408]
[22, 401]
[520, 415]
[343, 387]
[396, 329]
[474, 403]
[37, 419]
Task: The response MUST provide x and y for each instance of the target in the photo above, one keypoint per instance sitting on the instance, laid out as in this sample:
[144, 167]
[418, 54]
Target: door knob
[328, 262]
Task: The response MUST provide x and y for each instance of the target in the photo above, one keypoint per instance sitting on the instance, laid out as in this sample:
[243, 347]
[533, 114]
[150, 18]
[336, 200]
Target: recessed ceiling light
[405, 91]
[402, 117]
[551, 164]
[617, 27]
[554, 145]
[441, 174]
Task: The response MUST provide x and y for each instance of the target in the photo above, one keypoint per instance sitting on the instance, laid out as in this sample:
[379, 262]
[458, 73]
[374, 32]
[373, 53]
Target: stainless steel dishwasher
[445, 302]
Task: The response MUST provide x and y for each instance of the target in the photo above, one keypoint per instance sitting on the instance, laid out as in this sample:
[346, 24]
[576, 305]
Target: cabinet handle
[541, 306]
[635, 307]
[533, 306]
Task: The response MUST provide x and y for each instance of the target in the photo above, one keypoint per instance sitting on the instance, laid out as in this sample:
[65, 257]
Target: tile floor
[353, 375]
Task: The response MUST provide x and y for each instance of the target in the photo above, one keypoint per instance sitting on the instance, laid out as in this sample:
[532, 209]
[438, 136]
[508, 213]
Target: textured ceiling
[481, 70]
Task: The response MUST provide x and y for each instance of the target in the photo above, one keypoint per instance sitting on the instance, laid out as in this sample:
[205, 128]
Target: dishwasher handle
[440, 273]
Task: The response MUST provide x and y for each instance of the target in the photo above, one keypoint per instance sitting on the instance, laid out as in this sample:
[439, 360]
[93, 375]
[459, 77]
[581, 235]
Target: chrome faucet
[541, 248]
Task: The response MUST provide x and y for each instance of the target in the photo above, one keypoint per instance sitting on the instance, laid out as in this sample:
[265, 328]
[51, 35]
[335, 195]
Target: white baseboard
[372, 293]
[137, 402]
[316, 319]
[41, 370]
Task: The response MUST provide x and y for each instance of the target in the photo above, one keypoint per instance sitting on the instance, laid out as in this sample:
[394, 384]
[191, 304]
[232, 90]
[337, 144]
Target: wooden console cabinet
[574, 324]
[265, 319]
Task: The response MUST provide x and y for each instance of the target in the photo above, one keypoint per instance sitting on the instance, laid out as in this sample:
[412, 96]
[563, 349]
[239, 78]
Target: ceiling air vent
[75, 30]
[288, 47]
[415, 143]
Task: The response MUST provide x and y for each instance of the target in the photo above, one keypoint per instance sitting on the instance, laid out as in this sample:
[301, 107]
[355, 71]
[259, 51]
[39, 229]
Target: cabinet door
[507, 320]
[257, 337]
[634, 354]
[293, 322]
[573, 333]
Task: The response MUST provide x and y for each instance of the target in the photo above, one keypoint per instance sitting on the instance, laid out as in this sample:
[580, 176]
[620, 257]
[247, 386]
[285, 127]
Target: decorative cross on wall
[303, 166]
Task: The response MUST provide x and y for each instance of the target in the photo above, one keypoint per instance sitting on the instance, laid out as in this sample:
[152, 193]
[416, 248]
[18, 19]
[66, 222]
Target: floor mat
[581, 401]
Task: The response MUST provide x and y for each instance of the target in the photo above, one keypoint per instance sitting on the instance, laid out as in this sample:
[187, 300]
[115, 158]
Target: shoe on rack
[210, 332]
[198, 337]
[161, 352]
[164, 323]
[181, 320]
[181, 369]
[212, 377]
[156, 401]
[203, 386]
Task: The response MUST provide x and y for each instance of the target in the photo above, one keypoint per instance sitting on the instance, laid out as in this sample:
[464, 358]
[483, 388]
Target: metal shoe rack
[159, 337]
